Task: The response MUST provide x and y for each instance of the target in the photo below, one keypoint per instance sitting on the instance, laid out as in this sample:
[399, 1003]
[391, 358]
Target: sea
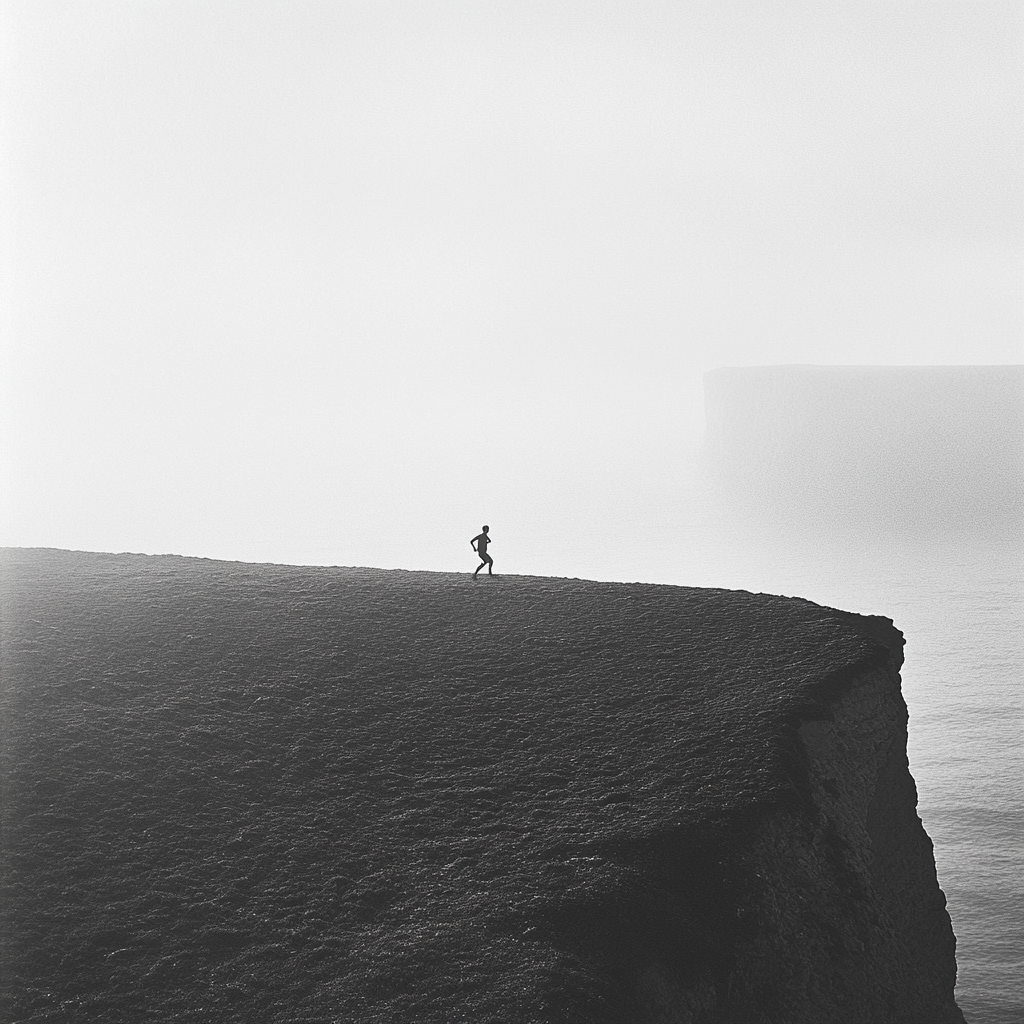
[959, 600]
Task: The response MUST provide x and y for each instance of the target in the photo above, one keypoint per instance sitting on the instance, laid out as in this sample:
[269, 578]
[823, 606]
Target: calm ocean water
[960, 604]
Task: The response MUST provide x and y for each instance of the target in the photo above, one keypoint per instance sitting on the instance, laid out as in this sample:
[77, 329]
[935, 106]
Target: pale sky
[339, 282]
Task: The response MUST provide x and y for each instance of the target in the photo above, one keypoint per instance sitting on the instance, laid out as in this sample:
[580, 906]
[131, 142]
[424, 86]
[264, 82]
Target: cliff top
[347, 779]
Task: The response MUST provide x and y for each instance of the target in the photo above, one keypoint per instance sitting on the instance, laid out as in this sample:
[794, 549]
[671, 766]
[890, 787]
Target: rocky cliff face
[270, 793]
[842, 916]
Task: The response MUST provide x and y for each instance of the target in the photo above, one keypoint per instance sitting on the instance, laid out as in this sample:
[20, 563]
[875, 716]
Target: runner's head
[485, 529]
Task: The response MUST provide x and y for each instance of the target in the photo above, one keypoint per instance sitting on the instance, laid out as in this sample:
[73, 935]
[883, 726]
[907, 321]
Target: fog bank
[879, 447]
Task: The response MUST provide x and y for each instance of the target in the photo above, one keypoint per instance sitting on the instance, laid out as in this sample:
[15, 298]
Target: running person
[479, 545]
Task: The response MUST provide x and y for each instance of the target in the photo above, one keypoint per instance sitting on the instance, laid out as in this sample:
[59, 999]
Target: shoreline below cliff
[272, 792]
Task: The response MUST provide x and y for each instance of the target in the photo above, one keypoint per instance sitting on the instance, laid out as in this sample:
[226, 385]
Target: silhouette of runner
[479, 545]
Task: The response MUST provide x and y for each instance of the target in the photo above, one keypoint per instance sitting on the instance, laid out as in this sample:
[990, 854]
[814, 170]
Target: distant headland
[242, 792]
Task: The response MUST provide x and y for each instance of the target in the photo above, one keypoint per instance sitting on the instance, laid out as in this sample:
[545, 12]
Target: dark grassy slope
[266, 793]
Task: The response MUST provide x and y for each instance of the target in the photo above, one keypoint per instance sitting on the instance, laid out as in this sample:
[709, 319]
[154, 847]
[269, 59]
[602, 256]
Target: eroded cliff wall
[844, 920]
[273, 793]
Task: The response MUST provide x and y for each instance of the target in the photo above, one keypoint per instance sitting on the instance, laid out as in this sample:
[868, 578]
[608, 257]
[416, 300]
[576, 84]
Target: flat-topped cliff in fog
[247, 793]
[896, 446]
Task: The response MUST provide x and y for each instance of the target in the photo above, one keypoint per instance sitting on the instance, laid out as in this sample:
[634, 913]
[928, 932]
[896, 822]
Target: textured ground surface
[263, 793]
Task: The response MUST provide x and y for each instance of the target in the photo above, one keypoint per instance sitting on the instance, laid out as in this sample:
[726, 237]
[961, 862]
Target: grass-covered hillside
[252, 793]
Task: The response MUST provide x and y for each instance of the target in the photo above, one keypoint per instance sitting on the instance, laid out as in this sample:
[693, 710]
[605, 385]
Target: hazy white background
[338, 282]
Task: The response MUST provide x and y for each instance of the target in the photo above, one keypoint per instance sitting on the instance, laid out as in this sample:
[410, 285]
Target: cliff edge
[272, 793]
